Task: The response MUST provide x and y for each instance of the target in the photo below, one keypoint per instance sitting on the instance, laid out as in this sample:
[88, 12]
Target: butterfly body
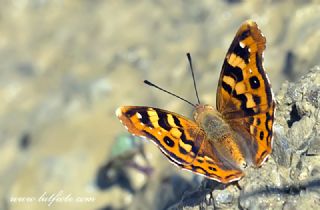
[220, 135]
[220, 142]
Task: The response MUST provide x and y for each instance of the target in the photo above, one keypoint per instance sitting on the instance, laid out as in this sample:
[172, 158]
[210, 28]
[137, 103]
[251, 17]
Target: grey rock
[282, 152]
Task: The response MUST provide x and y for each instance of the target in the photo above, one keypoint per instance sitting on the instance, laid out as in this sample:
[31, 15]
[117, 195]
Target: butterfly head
[202, 109]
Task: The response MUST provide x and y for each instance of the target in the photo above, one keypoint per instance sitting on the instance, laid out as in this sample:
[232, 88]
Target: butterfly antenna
[153, 85]
[194, 81]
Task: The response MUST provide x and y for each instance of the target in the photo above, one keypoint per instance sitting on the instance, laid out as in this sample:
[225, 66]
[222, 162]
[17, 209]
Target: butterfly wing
[176, 136]
[244, 95]
[212, 166]
[181, 140]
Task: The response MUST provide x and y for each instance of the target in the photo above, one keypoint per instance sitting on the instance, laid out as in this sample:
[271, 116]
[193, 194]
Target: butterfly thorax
[220, 134]
[211, 121]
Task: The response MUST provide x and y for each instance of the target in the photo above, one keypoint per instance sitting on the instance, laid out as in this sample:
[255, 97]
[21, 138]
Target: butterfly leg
[236, 183]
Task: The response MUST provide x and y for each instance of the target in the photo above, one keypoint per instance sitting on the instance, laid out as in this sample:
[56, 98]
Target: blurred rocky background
[65, 66]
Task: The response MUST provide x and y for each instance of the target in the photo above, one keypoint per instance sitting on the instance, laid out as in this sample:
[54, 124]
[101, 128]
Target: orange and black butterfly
[219, 143]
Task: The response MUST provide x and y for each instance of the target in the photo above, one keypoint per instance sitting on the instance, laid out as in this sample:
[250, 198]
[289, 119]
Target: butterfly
[221, 142]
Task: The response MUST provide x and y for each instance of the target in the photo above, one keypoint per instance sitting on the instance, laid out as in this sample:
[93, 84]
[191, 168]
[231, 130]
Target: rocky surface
[67, 65]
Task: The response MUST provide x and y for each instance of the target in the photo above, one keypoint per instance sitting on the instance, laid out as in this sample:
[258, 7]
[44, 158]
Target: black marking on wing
[227, 87]
[268, 117]
[144, 116]
[176, 121]
[145, 119]
[167, 153]
[207, 173]
[243, 106]
[254, 82]
[256, 99]
[261, 135]
[183, 151]
[258, 121]
[242, 52]
[194, 148]
[210, 162]
[269, 136]
[129, 113]
[163, 121]
[244, 35]
[234, 72]
[168, 141]
[200, 161]
[237, 49]
[229, 176]
[263, 153]
[265, 79]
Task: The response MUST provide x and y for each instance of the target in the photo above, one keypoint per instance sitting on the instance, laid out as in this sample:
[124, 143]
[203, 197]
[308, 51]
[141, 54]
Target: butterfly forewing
[176, 136]
[244, 95]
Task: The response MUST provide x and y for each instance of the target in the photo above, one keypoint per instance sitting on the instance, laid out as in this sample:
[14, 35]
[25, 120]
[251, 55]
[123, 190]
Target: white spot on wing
[138, 115]
[118, 112]
[250, 71]
[126, 127]
[242, 45]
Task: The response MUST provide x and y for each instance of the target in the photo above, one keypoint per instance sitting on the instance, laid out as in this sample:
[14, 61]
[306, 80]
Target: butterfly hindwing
[210, 164]
[176, 136]
[244, 94]
[257, 130]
